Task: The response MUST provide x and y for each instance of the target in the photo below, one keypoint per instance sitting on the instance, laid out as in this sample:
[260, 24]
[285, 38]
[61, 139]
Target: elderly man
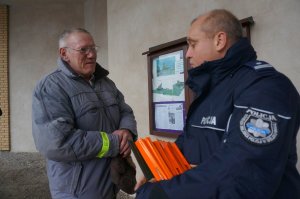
[247, 147]
[80, 121]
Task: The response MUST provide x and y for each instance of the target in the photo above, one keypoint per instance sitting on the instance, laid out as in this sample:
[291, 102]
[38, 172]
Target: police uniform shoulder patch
[256, 65]
[259, 127]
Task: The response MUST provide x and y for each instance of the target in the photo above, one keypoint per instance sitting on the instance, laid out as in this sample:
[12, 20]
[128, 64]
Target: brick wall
[4, 101]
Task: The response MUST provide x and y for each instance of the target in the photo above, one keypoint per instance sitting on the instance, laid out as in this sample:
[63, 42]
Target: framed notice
[168, 95]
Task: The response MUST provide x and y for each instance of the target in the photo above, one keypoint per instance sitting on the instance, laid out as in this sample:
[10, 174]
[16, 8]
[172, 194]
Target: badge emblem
[259, 127]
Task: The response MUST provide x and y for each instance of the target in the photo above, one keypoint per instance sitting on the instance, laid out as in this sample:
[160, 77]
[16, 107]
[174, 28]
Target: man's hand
[124, 136]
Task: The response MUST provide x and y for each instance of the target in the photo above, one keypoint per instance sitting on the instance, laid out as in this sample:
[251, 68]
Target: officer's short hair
[221, 20]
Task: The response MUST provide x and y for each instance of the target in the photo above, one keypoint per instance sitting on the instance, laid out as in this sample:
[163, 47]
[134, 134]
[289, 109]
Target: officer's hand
[142, 181]
[124, 136]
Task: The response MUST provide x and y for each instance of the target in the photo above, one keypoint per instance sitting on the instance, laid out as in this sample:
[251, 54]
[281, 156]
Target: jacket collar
[209, 74]
[68, 71]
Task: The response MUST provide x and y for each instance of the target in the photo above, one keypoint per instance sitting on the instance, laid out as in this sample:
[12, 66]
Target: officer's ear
[63, 54]
[221, 41]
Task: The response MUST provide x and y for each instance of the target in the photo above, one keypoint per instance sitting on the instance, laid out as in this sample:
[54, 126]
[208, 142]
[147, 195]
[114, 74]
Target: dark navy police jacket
[241, 132]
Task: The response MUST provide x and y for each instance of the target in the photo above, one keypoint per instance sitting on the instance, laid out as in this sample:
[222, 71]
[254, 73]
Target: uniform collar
[209, 74]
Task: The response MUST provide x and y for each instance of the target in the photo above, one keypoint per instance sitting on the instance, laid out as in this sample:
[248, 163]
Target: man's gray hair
[65, 34]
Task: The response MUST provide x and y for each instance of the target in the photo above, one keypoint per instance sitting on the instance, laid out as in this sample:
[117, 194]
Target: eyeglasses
[86, 50]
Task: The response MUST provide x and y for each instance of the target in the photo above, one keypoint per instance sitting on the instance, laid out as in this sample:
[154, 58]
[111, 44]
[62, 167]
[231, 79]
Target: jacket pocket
[111, 107]
[63, 177]
[87, 108]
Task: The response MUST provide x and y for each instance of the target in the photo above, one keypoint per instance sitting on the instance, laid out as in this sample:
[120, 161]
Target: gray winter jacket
[68, 115]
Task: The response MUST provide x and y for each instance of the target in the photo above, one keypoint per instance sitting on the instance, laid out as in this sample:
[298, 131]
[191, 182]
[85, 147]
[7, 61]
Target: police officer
[241, 129]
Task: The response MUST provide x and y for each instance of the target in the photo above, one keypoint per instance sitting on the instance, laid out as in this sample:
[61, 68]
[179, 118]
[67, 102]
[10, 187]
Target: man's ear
[63, 54]
[221, 41]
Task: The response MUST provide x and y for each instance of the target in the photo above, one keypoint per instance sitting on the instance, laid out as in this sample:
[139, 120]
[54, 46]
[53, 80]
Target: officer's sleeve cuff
[151, 190]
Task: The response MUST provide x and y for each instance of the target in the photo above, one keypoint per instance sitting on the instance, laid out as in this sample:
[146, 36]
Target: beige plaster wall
[134, 26]
[34, 27]
[95, 20]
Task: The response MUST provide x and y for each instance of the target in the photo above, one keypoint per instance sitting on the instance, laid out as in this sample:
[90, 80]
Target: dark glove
[123, 171]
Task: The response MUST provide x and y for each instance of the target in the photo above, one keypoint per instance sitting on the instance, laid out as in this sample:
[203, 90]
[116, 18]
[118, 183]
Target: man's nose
[92, 53]
[188, 53]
